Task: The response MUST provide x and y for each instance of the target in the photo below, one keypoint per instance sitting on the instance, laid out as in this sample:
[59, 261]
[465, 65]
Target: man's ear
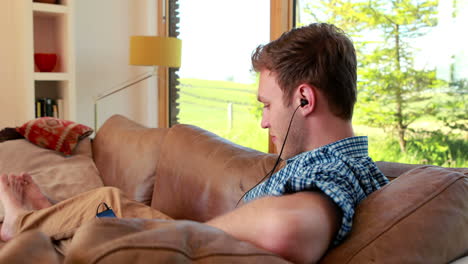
[307, 92]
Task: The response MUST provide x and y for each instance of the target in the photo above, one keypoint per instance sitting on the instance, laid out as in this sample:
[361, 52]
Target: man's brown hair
[320, 55]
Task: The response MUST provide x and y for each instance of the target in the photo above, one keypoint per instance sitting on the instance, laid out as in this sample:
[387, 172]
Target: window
[215, 87]
[412, 76]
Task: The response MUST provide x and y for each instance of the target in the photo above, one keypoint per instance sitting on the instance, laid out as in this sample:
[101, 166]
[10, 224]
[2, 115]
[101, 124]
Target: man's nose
[264, 123]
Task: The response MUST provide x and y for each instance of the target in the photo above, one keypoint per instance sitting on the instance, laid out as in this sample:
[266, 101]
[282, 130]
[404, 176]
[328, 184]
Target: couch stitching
[157, 166]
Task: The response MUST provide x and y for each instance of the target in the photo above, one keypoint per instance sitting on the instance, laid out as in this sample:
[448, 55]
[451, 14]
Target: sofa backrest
[394, 169]
[421, 215]
[126, 155]
[201, 175]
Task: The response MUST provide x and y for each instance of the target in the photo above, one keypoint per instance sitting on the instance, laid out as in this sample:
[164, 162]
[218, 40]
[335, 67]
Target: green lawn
[243, 128]
[205, 104]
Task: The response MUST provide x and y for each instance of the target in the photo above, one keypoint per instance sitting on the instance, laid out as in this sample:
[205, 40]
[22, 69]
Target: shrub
[423, 147]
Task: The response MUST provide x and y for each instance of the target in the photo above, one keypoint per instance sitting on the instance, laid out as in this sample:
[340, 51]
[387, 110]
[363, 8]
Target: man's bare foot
[11, 196]
[32, 194]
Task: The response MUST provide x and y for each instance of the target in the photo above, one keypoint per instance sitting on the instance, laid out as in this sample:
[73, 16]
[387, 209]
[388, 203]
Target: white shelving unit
[30, 28]
[49, 9]
[54, 76]
[52, 31]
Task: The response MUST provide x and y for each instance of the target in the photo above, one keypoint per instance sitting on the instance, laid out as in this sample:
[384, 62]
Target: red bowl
[45, 61]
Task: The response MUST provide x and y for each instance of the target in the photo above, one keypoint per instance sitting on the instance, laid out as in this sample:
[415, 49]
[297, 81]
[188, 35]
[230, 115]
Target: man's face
[276, 115]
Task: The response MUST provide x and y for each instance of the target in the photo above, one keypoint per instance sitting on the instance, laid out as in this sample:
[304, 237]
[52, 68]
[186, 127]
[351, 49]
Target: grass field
[206, 104]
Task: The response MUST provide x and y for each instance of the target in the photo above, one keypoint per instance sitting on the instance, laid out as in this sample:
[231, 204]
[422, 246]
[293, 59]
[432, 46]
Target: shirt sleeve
[335, 185]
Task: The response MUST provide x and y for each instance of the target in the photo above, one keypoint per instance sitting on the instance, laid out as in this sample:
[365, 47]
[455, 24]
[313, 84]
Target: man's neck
[327, 130]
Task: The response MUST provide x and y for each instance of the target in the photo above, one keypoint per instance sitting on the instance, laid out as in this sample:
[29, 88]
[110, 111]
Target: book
[43, 107]
[49, 107]
[55, 110]
[61, 110]
[38, 108]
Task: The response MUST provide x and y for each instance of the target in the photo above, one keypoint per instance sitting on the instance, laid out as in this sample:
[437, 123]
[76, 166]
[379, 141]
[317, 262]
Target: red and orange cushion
[56, 134]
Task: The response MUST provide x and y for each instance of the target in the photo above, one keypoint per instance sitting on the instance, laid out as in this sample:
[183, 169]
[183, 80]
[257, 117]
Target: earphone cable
[277, 160]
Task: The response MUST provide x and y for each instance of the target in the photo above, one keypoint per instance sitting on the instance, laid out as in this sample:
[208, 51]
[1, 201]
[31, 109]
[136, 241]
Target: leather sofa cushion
[118, 241]
[202, 175]
[126, 154]
[420, 216]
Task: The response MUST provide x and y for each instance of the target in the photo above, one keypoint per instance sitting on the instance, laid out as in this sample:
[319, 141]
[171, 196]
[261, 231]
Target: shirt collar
[354, 147]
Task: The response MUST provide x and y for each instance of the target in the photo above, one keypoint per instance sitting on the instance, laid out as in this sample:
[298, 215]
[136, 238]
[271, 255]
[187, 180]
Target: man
[307, 77]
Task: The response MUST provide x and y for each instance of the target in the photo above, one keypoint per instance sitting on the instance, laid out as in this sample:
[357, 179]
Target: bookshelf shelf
[51, 76]
[49, 9]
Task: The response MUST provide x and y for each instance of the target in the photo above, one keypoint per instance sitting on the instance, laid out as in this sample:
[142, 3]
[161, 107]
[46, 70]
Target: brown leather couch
[192, 175]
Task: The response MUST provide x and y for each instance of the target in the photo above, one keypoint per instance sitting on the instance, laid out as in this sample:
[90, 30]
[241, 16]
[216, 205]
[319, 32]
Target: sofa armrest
[420, 217]
[201, 175]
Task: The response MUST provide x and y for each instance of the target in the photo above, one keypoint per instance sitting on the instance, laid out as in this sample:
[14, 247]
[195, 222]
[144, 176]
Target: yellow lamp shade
[153, 50]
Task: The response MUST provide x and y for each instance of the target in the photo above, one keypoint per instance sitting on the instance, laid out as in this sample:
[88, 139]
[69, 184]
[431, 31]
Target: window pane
[217, 89]
[412, 74]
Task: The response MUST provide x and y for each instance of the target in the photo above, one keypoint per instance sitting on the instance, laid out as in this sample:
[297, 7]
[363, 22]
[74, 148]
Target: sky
[218, 37]
[445, 44]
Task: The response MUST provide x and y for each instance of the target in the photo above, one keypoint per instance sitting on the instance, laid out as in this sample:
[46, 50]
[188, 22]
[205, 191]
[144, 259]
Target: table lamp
[146, 51]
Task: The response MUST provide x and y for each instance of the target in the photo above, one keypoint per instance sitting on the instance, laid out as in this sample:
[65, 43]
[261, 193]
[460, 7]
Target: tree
[452, 108]
[392, 92]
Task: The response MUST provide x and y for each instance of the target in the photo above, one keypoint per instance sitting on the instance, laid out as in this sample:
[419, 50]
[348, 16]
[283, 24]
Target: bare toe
[27, 178]
[22, 177]
[4, 183]
[16, 183]
[33, 194]
[10, 190]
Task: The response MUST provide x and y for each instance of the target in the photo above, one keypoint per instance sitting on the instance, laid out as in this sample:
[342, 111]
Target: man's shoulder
[342, 161]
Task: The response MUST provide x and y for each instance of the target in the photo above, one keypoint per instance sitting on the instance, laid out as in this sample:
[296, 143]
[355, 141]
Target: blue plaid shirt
[342, 170]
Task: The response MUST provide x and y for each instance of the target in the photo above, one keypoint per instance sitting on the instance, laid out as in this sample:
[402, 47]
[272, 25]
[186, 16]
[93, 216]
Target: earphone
[304, 102]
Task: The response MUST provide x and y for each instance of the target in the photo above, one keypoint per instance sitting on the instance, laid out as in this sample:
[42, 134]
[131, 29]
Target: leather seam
[157, 168]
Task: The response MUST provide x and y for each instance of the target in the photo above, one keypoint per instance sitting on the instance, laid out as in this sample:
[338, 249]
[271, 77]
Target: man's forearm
[299, 227]
[244, 222]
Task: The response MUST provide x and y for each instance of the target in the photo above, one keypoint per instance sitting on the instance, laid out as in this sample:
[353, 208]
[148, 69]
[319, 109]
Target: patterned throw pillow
[56, 134]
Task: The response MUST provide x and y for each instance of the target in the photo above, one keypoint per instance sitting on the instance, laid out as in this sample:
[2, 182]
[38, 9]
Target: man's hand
[298, 227]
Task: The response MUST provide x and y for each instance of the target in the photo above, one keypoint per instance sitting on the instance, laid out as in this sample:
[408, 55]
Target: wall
[102, 36]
